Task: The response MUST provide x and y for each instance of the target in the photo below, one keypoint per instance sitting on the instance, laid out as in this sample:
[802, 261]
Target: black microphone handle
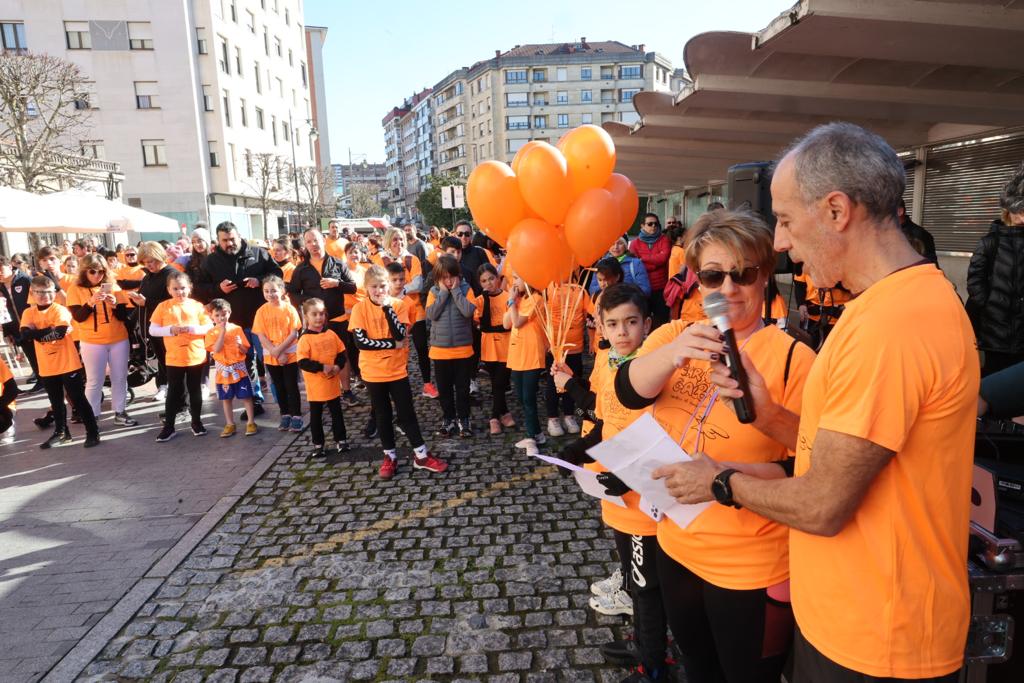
[745, 412]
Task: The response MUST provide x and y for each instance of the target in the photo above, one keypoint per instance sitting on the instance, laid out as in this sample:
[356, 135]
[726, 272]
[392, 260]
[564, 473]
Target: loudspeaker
[750, 187]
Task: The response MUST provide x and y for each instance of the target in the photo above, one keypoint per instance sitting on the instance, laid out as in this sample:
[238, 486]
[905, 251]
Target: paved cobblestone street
[325, 572]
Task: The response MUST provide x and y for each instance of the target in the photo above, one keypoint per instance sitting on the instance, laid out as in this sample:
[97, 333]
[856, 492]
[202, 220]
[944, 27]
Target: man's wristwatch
[721, 489]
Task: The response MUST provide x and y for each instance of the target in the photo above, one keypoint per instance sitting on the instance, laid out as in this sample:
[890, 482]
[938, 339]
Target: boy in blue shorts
[228, 345]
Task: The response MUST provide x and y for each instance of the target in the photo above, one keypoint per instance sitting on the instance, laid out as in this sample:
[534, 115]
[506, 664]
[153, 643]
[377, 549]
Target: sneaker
[398, 429]
[7, 437]
[205, 391]
[429, 462]
[166, 434]
[448, 428]
[612, 605]
[465, 428]
[571, 426]
[541, 439]
[495, 426]
[296, 425]
[251, 428]
[612, 584]
[76, 418]
[350, 399]
[91, 441]
[344, 446]
[258, 409]
[623, 653]
[508, 421]
[388, 467]
[285, 423]
[555, 427]
[318, 451]
[44, 421]
[58, 438]
[474, 388]
[161, 394]
[178, 419]
[125, 420]
[429, 390]
[229, 430]
[370, 431]
[198, 429]
[357, 382]
[529, 445]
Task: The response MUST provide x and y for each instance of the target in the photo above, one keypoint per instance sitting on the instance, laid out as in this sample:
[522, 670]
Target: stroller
[141, 358]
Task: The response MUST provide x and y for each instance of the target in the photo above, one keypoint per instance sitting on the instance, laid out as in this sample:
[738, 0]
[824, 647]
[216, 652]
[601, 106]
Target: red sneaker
[429, 462]
[429, 390]
[388, 468]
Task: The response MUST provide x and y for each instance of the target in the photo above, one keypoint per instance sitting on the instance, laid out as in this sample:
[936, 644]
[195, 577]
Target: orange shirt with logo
[55, 357]
[887, 596]
[276, 323]
[322, 347]
[493, 345]
[101, 327]
[383, 365]
[527, 344]
[187, 349]
[235, 347]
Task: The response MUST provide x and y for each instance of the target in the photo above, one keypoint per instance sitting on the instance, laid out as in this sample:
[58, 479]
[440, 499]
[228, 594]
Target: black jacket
[248, 262]
[305, 284]
[920, 239]
[153, 286]
[17, 302]
[472, 259]
[995, 289]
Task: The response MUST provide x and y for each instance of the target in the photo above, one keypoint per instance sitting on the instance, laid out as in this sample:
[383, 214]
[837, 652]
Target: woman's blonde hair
[152, 251]
[374, 274]
[93, 262]
[744, 234]
[389, 235]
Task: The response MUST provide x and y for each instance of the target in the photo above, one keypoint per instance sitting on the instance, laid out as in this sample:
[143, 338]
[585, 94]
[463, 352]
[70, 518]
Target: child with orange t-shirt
[321, 356]
[572, 299]
[357, 268]
[451, 314]
[277, 326]
[413, 304]
[380, 331]
[494, 338]
[526, 349]
[228, 345]
[183, 324]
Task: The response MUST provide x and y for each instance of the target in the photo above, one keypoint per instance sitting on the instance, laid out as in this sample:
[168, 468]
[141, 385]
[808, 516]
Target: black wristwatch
[721, 490]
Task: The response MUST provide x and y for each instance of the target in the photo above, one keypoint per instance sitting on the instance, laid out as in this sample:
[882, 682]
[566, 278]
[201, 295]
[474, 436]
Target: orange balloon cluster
[555, 207]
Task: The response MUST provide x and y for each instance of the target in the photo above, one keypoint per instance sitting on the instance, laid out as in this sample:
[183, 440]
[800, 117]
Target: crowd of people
[837, 534]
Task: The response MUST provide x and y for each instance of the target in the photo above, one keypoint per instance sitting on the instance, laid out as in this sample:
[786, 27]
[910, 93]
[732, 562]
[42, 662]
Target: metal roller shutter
[908, 165]
[962, 185]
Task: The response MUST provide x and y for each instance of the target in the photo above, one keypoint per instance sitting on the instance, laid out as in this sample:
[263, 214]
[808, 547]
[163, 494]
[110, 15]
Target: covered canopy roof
[914, 71]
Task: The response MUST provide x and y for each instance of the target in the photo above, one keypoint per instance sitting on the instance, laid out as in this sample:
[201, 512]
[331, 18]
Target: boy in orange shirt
[277, 325]
[321, 355]
[417, 323]
[48, 324]
[228, 345]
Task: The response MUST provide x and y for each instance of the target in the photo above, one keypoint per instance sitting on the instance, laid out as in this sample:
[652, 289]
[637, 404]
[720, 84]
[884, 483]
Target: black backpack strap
[789, 362]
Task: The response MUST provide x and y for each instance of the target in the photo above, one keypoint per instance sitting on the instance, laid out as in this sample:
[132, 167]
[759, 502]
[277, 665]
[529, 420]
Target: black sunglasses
[94, 271]
[649, 223]
[715, 278]
[464, 234]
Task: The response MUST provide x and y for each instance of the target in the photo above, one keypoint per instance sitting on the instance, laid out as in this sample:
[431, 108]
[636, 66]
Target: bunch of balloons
[554, 208]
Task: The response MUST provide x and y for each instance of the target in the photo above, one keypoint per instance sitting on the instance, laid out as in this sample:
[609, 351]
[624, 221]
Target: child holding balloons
[527, 347]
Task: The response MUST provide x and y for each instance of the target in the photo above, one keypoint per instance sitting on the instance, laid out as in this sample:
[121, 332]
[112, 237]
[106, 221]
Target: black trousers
[996, 361]
[180, 380]
[658, 308]
[453, 386]
[477, 336]
[725, 635]
[351, 350]
[157, 344]
[316, 420]
[382, 395]
[638, 556]
[71, 384]
[419, 340]
[552, 399]
[286, 384]
[28, 347]
[810, 666]
[500, 377]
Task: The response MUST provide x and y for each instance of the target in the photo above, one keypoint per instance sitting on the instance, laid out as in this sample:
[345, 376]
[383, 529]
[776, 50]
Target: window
[540, 99]
[227, 109]
[224, 63]
[563, 120]
[607, 72]
[245, 113]
[266, 41]
[514, 146]
[458, 88]
[291, 58]
[273, 127]
[259, 83]
[234, 11]
[585, 73]
[76, 34]
[231, 159]
[540, 75]
[13, 37]
[154, 153]
[201, 46]
[259, 118]
[277, 46]
[211, 145]
[92, 148]
[626, 94]
[586, 118]
[517, 122]
[516, 99]
[607, 96]
[238, 61]
[515, 76]
[561, 74]
[207, 98]
[140, 35]
[562, 97]
[248, 163]
[85, 99]
[607, 116]
[287, 17]
[586, 95]
[632, 71]
[540, 121]
[146, 95]
[250, 21]
[629, 117]
[305, 78]
[280, 88]
[285, 132]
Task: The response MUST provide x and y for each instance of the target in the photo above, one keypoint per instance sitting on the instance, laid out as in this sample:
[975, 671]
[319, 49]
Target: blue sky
[379, 52]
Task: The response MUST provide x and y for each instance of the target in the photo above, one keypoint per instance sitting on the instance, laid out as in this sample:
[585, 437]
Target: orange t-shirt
[230, 360]
[410, 263]
[101, 327]
[384, 365]
[183, 350]
[833, 296]
[5, 374]
[287, 270]
[887, 596]
[493, 345]
[336, 247]
[451, 352]
[527, 344]
[352, 299]
[676, 260]
[322, 347]
[54, 357]
[135, 273]
[569, 300]
[276, 323]
[728, 547]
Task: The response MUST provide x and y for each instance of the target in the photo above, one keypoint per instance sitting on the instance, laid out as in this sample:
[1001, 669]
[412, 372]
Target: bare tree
[315, 184]
[44, 116]
[266, 174]
[364, 200]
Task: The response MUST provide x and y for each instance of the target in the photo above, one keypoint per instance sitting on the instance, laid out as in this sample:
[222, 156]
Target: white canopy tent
[74, 211]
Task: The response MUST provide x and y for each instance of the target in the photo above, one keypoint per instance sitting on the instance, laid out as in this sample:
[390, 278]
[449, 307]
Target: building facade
[409, 152]
[184, 94]
[316, 36]
[346, 176]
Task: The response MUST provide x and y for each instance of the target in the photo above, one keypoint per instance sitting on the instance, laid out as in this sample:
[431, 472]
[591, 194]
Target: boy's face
[112, 263]
[220, 317]
[454, 252]
[272, 293]
[624, 327]
[50, 264]
[450, 281]
[44, 297]
[315, 317]
[603, 281]
[178, 289]
[396, 283]
[377, 290]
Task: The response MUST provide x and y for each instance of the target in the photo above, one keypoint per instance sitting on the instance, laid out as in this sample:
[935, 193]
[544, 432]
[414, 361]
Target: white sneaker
[612, 584]
[529, 445]
[571, 425]
[555, 427]
[205, 390]
[540, 439]
[474, 388]
[612, 605]
[161, 394]
[8, 437]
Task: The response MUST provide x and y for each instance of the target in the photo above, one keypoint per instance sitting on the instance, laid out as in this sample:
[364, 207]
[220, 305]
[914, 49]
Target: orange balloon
[544, 182]
[592, 225]
[521, 153]
[625, 195]
[539, 253]
[494, 200]
[590, 153]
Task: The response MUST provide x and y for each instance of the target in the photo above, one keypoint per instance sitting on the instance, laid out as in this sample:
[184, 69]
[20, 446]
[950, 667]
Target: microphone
[716, 307]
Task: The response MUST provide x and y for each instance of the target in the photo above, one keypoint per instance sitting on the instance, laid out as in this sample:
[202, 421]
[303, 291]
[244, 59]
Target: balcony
[518, 126]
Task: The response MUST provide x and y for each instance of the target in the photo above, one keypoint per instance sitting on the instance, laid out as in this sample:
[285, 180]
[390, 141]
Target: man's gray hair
[1012, 197]
[846, 158]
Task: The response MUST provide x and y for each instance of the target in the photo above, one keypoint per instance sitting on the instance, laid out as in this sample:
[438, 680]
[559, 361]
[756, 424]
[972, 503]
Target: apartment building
[408, 152]
[181, 95]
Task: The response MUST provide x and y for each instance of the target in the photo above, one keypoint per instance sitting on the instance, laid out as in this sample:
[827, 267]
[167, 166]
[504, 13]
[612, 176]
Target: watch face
[718, 490]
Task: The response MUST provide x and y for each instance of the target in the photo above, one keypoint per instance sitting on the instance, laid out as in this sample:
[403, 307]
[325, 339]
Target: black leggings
[157, 344]
[725, 635]
[638, 556]
[72, 384]
[178, 380]
[453, 378]
[316, 420]
[419, 340]
[500, 377]
[381, 396]
[551, 396]
[286, 384]
[810, 666]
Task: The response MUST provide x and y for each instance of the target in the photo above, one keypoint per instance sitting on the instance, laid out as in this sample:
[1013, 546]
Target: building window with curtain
[154, 153]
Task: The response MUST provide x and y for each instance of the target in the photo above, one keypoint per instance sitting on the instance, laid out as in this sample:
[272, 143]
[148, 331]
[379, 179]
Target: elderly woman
[151, 292]
[99, 308]
[724, 577]
[633, 269]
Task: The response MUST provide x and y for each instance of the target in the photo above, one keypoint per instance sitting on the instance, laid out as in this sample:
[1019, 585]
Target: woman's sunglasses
[715, 278]
[95, 271]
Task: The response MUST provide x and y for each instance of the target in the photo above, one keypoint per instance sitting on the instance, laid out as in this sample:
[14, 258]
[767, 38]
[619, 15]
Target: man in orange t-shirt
[880, 505]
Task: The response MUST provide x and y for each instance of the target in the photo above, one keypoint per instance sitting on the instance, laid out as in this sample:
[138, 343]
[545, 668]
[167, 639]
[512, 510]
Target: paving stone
[215, 657]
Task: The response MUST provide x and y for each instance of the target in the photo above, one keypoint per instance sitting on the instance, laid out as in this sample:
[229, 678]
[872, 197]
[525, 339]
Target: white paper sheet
[559, 462]
[634, 453]
[587, 480]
